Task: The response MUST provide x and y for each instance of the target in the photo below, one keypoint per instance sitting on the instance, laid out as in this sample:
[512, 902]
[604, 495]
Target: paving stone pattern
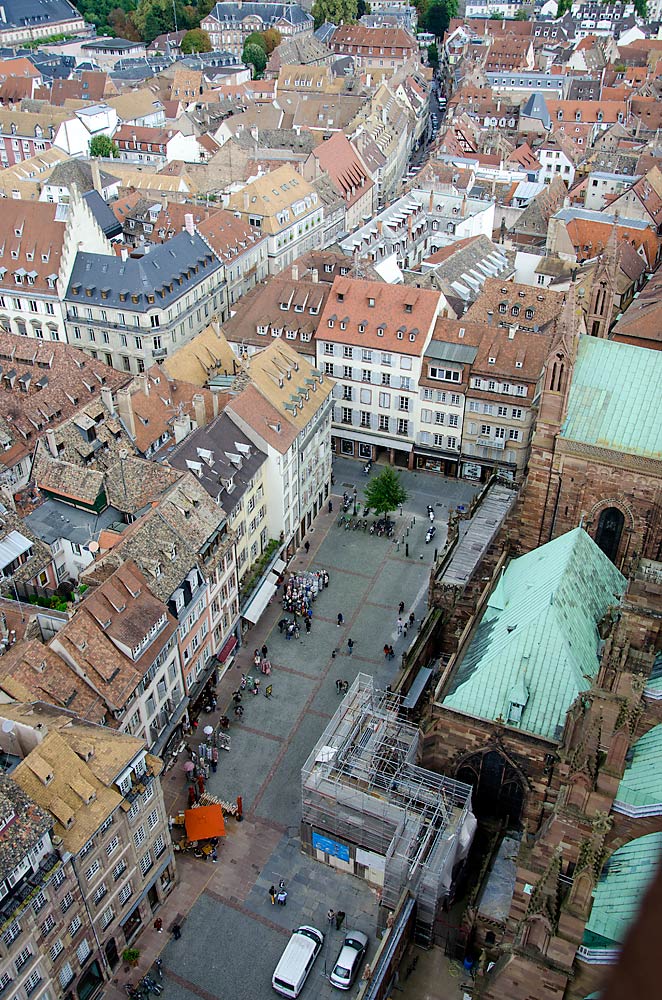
[232, 936]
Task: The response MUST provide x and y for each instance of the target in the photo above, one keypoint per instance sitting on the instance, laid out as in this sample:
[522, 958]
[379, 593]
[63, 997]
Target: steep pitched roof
[640, 790]
[614, 398]
[536, 647]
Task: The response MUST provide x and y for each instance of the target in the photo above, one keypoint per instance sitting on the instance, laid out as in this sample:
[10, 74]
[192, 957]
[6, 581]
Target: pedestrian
[308, 626]
[338, 686]
[334, 653]
[412, 618]
[272, 895]
[268, 691]
[214, 855]
[330, 915]
[350, 647]
[176, 932]
[282, 897]
[256, 658]
[256, 686]
[201, 784]
[340, 916]
[191, 796]
[344, 687]
[264, 651]
[341, 619]
[238, 710]
[386, 648]
[158, 925]
[282, 624]
[404, 629]
[306, 546]
[399, 626]
[214, 703]
[330, 506]
[401, 607]
[214, 759]
[391, 653]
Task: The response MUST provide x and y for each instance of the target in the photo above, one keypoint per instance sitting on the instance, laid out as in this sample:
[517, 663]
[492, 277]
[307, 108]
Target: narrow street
[232, 936]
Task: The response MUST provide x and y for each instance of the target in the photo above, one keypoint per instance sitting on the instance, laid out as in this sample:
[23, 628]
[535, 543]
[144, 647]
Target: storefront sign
[329, 846]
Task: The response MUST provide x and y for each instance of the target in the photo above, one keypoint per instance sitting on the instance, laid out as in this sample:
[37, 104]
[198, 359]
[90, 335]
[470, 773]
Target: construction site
[370, 810]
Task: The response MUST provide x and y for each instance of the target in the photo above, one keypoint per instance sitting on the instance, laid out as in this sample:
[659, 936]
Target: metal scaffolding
[361, 783]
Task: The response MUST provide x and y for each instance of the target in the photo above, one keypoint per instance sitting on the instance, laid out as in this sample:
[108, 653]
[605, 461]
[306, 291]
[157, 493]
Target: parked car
[347, 964]
[296, 961]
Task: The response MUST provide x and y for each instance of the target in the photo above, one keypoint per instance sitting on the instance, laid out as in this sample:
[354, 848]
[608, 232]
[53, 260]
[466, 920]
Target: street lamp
[355, 496]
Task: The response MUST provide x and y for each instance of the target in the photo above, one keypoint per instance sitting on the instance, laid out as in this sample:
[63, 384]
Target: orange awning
[204, 822]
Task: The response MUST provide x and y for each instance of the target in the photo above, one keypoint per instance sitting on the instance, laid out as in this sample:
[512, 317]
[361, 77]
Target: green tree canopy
[497, 16]
[438, 16]
[272, 38]
[335, 11]
[257, 38]
[196, 40]
[563, 7]
[155, 17]
[385, 492]
[433, 55]
[255, 56]
[103, 145]
[98, 13]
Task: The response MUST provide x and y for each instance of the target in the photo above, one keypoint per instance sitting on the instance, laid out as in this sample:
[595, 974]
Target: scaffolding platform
[361, 783]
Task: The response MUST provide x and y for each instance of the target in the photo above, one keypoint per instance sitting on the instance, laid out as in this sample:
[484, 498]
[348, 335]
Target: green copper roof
[536, 646]
[618, 895]
[641, 784]
[614, 398]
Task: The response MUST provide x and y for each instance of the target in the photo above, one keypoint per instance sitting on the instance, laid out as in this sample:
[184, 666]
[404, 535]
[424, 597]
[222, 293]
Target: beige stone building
[102, 861]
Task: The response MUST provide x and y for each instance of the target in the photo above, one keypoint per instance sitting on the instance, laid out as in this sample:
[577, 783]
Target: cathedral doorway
[609, 531]
[498, 792]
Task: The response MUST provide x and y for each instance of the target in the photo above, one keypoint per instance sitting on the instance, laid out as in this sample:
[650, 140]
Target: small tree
[433, 56]
[385, 492]
[272, 39]
[103, 145]
[196, 40]
[255, 56]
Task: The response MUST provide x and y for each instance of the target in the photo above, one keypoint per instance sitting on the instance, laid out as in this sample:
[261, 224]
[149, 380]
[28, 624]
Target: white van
[297, 960]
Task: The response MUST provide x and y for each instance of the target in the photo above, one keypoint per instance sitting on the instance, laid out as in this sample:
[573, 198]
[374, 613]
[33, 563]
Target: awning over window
[225, 652]
[260, 599]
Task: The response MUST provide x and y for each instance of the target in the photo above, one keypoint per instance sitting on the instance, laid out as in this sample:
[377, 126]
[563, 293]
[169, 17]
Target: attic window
[361, 327]
[332, 323]
[492, 361]
[340, 296]
[518, 364]
[409, 307]
[371, 303]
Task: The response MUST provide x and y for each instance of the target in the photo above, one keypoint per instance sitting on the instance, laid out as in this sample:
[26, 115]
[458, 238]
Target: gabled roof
[536, 647]
[640, 790]
[614, 399]
[535, 107]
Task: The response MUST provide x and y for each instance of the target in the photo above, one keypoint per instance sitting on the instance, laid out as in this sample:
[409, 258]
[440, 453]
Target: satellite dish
[8, 726]
[93, 547]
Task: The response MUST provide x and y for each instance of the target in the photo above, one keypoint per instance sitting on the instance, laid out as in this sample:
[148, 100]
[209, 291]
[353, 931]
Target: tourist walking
[401, 607]
[272, 895]
[399, 626]
[341, 619]
[350, 647]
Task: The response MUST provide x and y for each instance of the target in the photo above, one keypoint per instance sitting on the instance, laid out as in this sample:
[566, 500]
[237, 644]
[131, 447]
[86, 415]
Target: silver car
[347, 964]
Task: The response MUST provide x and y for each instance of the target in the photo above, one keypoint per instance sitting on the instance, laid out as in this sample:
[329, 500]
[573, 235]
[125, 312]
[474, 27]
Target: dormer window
[332, 323]
[361, 327]
[515, 311]
[492, 361]
[371, 303]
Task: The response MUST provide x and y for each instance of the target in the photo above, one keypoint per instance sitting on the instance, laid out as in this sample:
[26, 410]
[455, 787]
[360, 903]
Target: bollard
[436, 553]
[407, 549]
[407, 532]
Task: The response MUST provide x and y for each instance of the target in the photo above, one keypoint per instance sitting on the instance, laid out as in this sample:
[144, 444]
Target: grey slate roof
[535, 107]
[36, 13]
[104, 215]
[219, 439]
[459, 353]
[325, 32]
[159, 270]
[53, 519]
[268, 12]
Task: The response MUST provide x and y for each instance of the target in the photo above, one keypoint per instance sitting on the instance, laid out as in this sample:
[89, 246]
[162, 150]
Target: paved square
[233, 937]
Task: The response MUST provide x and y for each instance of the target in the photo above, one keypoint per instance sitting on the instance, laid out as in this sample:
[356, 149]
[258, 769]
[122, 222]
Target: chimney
[188, 224]
[380, 226]
[181, 426]
[124, 253]
[410, 226]
[246, 201]
[96, 175]
[431, 202]
[214, 399]
[464, 206]
[295, 272]
[314, 275]
[490, 317]
[199, 409]
[125, 410]
[107, 399]
[512, 330]
[52, 443]
[144, 380]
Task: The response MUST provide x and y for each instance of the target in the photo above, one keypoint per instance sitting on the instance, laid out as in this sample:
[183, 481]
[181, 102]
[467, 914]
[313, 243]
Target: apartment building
[338, 158]
[442, 389]
[374, 47]
[371, 339]
[185, 550]
[131, 311]
[285, 409]
[286, 209]
[122, 641]
[501, 394]
[230, 22]
[232, 470]
[101, 793]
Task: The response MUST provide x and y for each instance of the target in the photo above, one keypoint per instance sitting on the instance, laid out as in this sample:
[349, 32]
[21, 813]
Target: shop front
[436, 461]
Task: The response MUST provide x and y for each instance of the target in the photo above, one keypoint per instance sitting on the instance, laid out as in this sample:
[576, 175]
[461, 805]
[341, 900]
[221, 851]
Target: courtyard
[232, 936]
